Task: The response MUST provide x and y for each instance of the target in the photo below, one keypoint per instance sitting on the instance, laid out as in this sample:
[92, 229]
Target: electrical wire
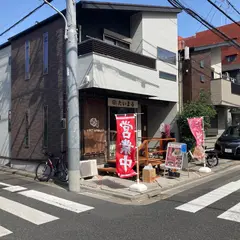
[206, 18]
[208, 25]
[233, 7]
[22, 19]
[225, 14]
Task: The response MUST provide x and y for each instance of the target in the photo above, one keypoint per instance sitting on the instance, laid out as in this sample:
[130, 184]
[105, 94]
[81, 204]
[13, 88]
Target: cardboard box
[149, 175]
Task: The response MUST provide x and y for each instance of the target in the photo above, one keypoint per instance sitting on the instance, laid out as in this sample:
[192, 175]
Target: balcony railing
[225, 92]
[98, 46]
[235, 88]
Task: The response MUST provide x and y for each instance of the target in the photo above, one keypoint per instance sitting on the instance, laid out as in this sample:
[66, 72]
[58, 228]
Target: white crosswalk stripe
[14, 188]
[5, 184]
[27, 213]
[56, 201]
[4, 231]
[209, 198]
[32, 215]
[232, 214]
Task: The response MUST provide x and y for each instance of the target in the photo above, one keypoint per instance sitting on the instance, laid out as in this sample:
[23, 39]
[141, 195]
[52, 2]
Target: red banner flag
[125, 146]
[196, 127]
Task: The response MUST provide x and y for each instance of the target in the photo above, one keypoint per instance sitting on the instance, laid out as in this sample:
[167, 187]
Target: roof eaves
[217, 45]
[100, 5]
[4, 45]
[36, 26]
[127, 7]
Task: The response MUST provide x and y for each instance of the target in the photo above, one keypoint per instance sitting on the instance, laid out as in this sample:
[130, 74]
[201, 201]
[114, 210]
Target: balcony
[225, 92]
[100, 47]
[105, 66]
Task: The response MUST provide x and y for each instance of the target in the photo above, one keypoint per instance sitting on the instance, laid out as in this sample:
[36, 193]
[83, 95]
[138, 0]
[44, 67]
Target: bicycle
[54, 166]
[211, 156]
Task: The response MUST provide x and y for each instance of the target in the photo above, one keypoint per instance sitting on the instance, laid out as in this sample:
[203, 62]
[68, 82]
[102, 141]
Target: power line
[178, 4]
[219, 9]
[206, 18]
[22, 19]
[233, 7]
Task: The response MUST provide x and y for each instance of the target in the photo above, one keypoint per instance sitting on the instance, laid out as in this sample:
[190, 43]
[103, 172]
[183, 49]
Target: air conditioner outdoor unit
[88, 168]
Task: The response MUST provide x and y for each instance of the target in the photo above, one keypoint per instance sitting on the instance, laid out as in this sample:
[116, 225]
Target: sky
[12, 10]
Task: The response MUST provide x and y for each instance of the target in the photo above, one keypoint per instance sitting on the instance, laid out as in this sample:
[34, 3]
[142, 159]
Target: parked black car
[228, 144]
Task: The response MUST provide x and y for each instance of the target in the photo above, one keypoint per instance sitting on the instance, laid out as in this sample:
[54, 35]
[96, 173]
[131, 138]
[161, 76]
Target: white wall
[160, 30]
[113, 74]
[5, 101]
[85, 68]
[148, 31]
[222, 119]
[216, 61]
[162, 113]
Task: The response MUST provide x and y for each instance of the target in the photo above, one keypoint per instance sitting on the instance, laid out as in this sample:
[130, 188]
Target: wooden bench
[108, 170]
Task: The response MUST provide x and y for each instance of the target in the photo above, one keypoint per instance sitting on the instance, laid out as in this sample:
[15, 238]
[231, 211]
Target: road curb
[20, 173]
[163, 193]
[160, 193]
[17, 172]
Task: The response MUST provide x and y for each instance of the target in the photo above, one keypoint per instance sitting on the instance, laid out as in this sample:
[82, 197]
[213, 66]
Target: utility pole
[73, 121]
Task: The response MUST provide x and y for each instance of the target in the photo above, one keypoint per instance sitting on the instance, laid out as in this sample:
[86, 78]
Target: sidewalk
[119, 188]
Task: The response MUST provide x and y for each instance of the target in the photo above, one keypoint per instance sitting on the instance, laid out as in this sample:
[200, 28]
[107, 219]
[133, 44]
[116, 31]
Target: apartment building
[230, 60]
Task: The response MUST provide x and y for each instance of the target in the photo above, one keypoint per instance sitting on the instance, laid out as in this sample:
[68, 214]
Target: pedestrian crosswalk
[30, 214]
[202, 202]
[56, 201]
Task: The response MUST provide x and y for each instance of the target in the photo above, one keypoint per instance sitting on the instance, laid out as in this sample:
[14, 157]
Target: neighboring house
[203, 71]
[230, 56]
[5, 102]
[127, 63]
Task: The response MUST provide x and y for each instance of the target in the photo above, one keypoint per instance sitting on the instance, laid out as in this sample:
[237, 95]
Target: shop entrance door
[113, 128]
[144, 121]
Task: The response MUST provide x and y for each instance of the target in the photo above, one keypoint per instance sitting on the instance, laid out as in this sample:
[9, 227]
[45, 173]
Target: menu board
[175, 154]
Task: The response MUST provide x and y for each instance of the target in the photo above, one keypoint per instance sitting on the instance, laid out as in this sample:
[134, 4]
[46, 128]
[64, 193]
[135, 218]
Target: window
[64, 113]
[202, 64]
[10, 60]
[116, 42]
[45, 53]
[9, 121]
[233, 132]
[110, 40]
[166, 56]
[231, 58]
[116, 39]
[27, 60]
[212, 74]
[45, 126]
[26, 137]
[167, 76]
[79, 33]
[202, 78]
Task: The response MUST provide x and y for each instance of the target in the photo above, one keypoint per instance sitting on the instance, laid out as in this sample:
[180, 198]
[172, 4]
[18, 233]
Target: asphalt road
[110, 221]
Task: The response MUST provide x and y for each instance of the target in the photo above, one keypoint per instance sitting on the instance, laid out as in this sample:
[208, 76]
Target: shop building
[127, 63]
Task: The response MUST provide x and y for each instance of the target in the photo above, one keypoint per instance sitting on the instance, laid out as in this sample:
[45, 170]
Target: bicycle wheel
[212, 161]
[43, 172]
[62, 173]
